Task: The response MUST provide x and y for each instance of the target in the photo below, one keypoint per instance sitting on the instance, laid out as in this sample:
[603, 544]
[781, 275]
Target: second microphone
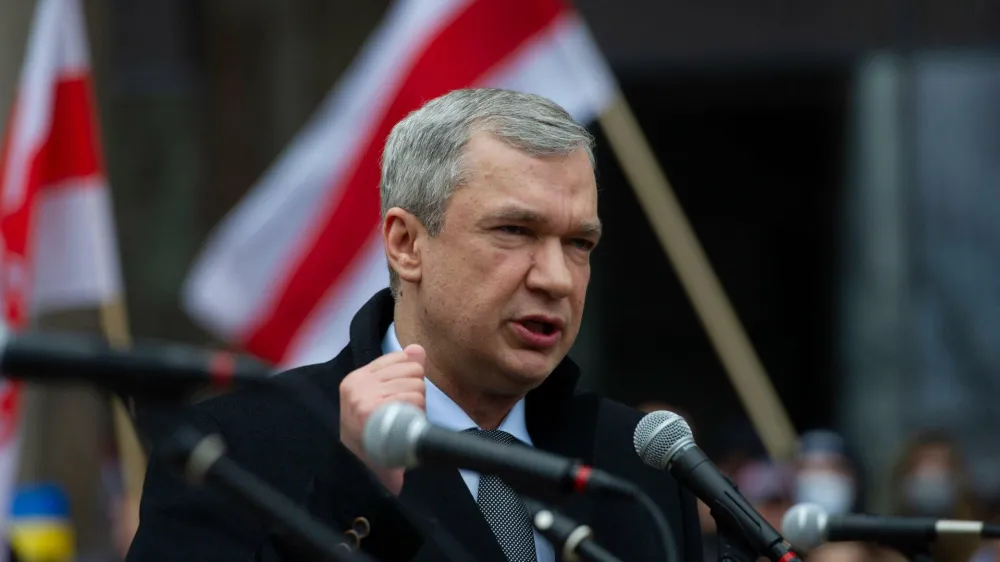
[398, 435]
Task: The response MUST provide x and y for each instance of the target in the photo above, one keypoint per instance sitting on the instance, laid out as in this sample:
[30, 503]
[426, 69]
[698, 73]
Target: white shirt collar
[444, 412]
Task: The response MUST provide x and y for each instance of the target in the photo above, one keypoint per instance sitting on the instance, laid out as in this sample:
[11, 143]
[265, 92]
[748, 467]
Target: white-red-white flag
[284, 273]
[57, 236]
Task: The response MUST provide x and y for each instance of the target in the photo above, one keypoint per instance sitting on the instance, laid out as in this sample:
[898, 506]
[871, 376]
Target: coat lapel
[442, 497]
[561, 422]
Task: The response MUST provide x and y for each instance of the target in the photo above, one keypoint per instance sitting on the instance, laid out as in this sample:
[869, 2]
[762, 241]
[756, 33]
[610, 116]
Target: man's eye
[511, 229]
[583, 244]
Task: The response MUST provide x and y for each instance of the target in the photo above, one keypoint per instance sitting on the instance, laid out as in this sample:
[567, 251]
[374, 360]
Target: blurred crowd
[929, 478]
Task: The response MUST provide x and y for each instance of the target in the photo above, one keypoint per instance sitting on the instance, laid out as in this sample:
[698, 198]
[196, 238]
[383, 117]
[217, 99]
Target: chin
[529, 368]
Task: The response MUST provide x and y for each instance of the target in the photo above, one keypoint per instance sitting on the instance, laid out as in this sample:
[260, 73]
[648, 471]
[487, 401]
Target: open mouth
[539, 327]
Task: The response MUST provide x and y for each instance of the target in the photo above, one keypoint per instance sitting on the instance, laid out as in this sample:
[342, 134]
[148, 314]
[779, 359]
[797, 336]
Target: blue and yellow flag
[40, 528]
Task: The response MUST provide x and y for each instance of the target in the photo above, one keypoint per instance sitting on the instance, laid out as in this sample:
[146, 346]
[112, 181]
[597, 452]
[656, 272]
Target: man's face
[503, 284]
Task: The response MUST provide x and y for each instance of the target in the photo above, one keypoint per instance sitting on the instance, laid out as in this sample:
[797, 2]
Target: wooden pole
[714, 310]
[114, 323]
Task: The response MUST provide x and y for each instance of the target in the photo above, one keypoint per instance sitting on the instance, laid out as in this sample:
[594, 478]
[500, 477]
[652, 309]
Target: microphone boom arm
[203, 459]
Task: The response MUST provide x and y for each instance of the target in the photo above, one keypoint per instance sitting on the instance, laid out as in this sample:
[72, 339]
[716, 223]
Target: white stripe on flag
[75, 259]
[562, 64]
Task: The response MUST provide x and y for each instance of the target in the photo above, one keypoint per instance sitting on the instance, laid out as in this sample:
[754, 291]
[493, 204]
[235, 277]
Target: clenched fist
[395, 377]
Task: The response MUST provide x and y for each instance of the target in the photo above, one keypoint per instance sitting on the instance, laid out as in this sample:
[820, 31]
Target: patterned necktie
[503, 509]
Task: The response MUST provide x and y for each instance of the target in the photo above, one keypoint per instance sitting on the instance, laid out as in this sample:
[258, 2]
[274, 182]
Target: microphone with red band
[398, 435]
[144, 368]
[664, 441]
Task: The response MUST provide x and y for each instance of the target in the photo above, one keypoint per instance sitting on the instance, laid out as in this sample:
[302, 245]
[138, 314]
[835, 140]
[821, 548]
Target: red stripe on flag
[12, 264]
[480, 37]
[69, 151]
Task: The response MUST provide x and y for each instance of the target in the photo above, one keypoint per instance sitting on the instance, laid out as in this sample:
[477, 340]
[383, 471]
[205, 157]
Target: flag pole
[713, 308]
[114, 324]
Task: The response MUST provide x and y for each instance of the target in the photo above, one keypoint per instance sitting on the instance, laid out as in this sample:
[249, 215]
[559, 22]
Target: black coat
[435, 518]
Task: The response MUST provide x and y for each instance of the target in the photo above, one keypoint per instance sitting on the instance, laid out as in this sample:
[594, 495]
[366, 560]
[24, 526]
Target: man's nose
[550, 272]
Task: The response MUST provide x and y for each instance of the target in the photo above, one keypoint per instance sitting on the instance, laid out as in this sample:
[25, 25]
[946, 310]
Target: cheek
[489, 265]
[477, 279]
[495, 290]
[497, 275]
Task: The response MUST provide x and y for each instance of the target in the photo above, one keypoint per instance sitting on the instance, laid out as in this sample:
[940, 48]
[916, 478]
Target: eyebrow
[521, 215]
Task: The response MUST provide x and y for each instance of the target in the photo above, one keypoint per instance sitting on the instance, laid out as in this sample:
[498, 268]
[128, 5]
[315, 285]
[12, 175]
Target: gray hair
[422, 163]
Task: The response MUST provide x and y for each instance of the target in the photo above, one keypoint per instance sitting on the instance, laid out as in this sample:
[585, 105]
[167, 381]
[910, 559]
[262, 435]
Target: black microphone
[147, 367]
[571, 539]
[203, 458]
[664, 441]
[399, 435]
[808, 526]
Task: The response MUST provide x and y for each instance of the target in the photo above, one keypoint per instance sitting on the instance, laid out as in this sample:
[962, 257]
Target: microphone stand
[202, 458]
[571, 539]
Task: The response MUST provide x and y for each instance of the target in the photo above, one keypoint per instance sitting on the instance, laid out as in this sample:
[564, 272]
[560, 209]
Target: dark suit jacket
[435, 517]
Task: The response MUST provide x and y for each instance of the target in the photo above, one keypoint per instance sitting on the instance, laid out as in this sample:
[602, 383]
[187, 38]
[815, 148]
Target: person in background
[931, 479]
[824, 474]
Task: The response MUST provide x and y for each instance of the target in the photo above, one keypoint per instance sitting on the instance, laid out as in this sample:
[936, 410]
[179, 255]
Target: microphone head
[804, 526]
[658, 437]
[391, 434]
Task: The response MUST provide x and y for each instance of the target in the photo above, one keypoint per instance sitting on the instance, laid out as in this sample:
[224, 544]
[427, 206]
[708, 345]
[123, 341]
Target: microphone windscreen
[659, 435]
[803, 526]
[391, 433]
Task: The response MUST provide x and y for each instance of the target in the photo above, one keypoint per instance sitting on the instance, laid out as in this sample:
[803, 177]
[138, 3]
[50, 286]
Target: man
[489, 206]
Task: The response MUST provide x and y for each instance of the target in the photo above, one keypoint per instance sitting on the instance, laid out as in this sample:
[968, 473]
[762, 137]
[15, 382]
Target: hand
[396, 377]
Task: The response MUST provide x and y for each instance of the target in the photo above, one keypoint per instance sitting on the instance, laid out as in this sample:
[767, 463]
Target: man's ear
[403, 236]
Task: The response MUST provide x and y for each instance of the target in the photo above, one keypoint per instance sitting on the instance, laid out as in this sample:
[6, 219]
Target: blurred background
[838, 159]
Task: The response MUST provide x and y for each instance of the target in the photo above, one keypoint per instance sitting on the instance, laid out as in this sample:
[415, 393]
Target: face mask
[833, 492]
[931, 494]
